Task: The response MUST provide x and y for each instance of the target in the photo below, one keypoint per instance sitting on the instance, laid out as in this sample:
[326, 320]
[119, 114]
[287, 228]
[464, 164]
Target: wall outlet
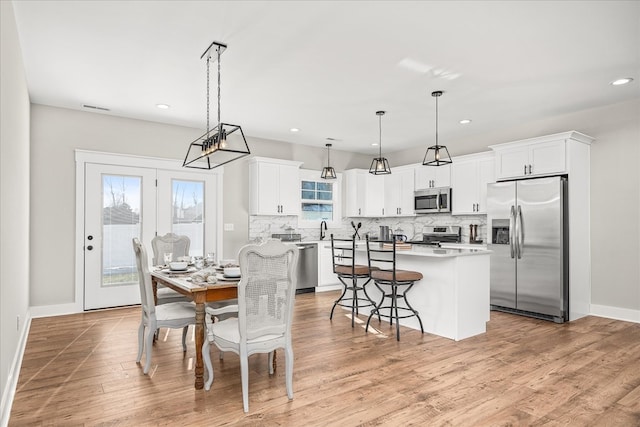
[229, 227]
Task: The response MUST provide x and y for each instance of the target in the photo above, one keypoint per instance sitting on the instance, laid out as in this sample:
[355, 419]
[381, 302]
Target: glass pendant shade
[328, 172]
[380, 165]
[223, 143]
[437, 155]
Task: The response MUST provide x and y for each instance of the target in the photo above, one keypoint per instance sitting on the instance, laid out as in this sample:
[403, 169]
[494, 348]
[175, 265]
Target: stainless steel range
[434, 235]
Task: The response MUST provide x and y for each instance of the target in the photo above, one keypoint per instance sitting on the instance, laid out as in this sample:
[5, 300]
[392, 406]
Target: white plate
[186, 270]
[223, 278]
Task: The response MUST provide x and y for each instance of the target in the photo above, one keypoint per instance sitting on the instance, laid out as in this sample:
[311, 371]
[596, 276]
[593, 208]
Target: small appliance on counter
[434, 235]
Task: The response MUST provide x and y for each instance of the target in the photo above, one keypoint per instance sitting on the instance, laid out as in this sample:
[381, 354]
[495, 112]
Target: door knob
[89, 237]
[89, 248]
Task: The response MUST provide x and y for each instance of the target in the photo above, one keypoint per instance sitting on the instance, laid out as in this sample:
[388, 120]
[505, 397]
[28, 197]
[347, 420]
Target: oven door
[433, 200]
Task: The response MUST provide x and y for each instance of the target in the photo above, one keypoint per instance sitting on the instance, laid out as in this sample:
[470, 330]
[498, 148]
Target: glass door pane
[188, 206]
[121, 207]
[188, 212]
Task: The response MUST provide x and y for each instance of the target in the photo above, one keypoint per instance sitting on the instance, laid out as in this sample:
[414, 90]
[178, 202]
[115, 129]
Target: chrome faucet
[323, 223]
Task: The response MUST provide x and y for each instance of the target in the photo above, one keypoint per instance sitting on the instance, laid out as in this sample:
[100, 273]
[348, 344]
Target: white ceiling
[326, 67]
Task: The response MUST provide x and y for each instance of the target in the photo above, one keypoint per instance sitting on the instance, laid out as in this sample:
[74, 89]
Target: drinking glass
[198, 262]
[168, 257]
[211, 259]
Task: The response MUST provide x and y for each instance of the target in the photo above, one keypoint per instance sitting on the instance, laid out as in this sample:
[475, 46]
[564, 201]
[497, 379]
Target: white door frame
[83, 157]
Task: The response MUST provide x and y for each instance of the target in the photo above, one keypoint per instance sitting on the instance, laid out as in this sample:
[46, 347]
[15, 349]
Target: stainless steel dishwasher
[307, 267]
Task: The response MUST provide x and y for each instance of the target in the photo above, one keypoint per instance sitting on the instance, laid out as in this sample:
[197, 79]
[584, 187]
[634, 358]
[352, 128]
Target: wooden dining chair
[170, 315]
[266, 294]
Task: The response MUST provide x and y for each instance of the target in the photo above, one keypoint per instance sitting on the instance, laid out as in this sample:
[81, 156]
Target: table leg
[199, 369]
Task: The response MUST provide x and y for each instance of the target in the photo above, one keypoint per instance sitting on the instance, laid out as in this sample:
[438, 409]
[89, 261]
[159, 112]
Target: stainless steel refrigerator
[528, 235]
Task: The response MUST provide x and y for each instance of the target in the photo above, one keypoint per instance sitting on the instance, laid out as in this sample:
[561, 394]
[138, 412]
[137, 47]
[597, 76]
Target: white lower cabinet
[469, 178]
[325, 266]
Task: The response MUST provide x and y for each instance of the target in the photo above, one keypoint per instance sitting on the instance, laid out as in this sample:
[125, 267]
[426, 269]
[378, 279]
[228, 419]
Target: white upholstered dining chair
[266, 294]
[171, 315]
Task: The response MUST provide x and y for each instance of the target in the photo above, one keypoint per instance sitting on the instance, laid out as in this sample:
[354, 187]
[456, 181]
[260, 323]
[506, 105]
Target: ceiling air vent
[93, 107]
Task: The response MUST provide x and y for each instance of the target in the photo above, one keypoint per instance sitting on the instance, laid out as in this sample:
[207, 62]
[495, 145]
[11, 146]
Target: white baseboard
[38, 311]
[14, 372]
[616, 313]
[328, 288]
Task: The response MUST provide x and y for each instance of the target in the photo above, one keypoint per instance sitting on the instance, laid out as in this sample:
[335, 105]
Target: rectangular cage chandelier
[223, 143]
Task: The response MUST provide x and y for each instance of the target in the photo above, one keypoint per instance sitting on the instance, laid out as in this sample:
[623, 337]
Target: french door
[123, 202]
[120, 204]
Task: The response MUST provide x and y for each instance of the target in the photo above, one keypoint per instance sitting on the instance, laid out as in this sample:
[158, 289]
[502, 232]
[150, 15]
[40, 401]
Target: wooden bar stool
[382, 264]
[348, 272]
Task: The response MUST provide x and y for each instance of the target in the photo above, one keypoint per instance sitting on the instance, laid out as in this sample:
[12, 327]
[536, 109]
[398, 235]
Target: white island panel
[453, 296]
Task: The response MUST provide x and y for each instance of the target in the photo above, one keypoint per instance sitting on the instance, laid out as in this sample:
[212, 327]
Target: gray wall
[615, 192]
[14, 198]
[615, 189]
[57, 132]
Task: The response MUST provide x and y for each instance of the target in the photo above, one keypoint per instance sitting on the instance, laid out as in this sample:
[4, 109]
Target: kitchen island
[453, 296]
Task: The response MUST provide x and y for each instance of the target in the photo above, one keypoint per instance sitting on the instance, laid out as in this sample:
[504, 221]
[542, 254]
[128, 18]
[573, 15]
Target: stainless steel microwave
[432, 200]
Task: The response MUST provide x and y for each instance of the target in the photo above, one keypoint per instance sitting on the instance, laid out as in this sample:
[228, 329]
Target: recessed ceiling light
[294, 130]
[622, 81]
[163, 106]
[465, 121]
[375, 144]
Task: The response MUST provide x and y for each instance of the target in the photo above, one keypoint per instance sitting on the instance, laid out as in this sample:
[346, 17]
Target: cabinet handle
[359, 211]
[525, 169]
[529, 169]
[400, 211]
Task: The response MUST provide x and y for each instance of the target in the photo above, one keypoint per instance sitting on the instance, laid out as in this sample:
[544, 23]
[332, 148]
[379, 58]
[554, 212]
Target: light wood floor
[81, 370]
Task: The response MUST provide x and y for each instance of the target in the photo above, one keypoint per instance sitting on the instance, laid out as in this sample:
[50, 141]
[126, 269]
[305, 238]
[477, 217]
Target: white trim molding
[9, 391]
[616, 313]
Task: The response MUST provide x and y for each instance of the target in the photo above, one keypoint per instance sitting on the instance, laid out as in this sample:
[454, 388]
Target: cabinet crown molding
[275, 161]
[573, 135]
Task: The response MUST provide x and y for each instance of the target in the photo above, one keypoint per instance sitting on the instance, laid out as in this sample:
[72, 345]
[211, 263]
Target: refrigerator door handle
[512, 221]
[520, 232]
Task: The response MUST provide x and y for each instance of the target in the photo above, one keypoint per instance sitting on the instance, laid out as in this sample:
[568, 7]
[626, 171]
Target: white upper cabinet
[530, 158]
[469, 178]
[363, 193]
[398, 192]
[274, 186]
[432, 176]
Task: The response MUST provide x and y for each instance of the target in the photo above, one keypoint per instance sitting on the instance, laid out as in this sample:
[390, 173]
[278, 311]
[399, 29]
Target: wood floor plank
[80, 370]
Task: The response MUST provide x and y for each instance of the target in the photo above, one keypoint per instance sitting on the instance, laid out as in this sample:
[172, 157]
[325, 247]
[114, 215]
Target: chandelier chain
[436, 121]
[208, 58]
[218, 49]
[380, 126]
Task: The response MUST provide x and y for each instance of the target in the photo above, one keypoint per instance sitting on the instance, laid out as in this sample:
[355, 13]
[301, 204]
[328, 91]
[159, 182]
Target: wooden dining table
[200, 294]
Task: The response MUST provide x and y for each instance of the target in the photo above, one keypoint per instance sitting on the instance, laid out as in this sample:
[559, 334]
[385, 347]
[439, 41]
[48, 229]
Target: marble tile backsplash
[262, 227]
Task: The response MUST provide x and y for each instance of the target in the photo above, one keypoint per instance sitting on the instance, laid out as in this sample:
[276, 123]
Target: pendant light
[328, 172]
[437, 155]
[380, 165]
[225, 142]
